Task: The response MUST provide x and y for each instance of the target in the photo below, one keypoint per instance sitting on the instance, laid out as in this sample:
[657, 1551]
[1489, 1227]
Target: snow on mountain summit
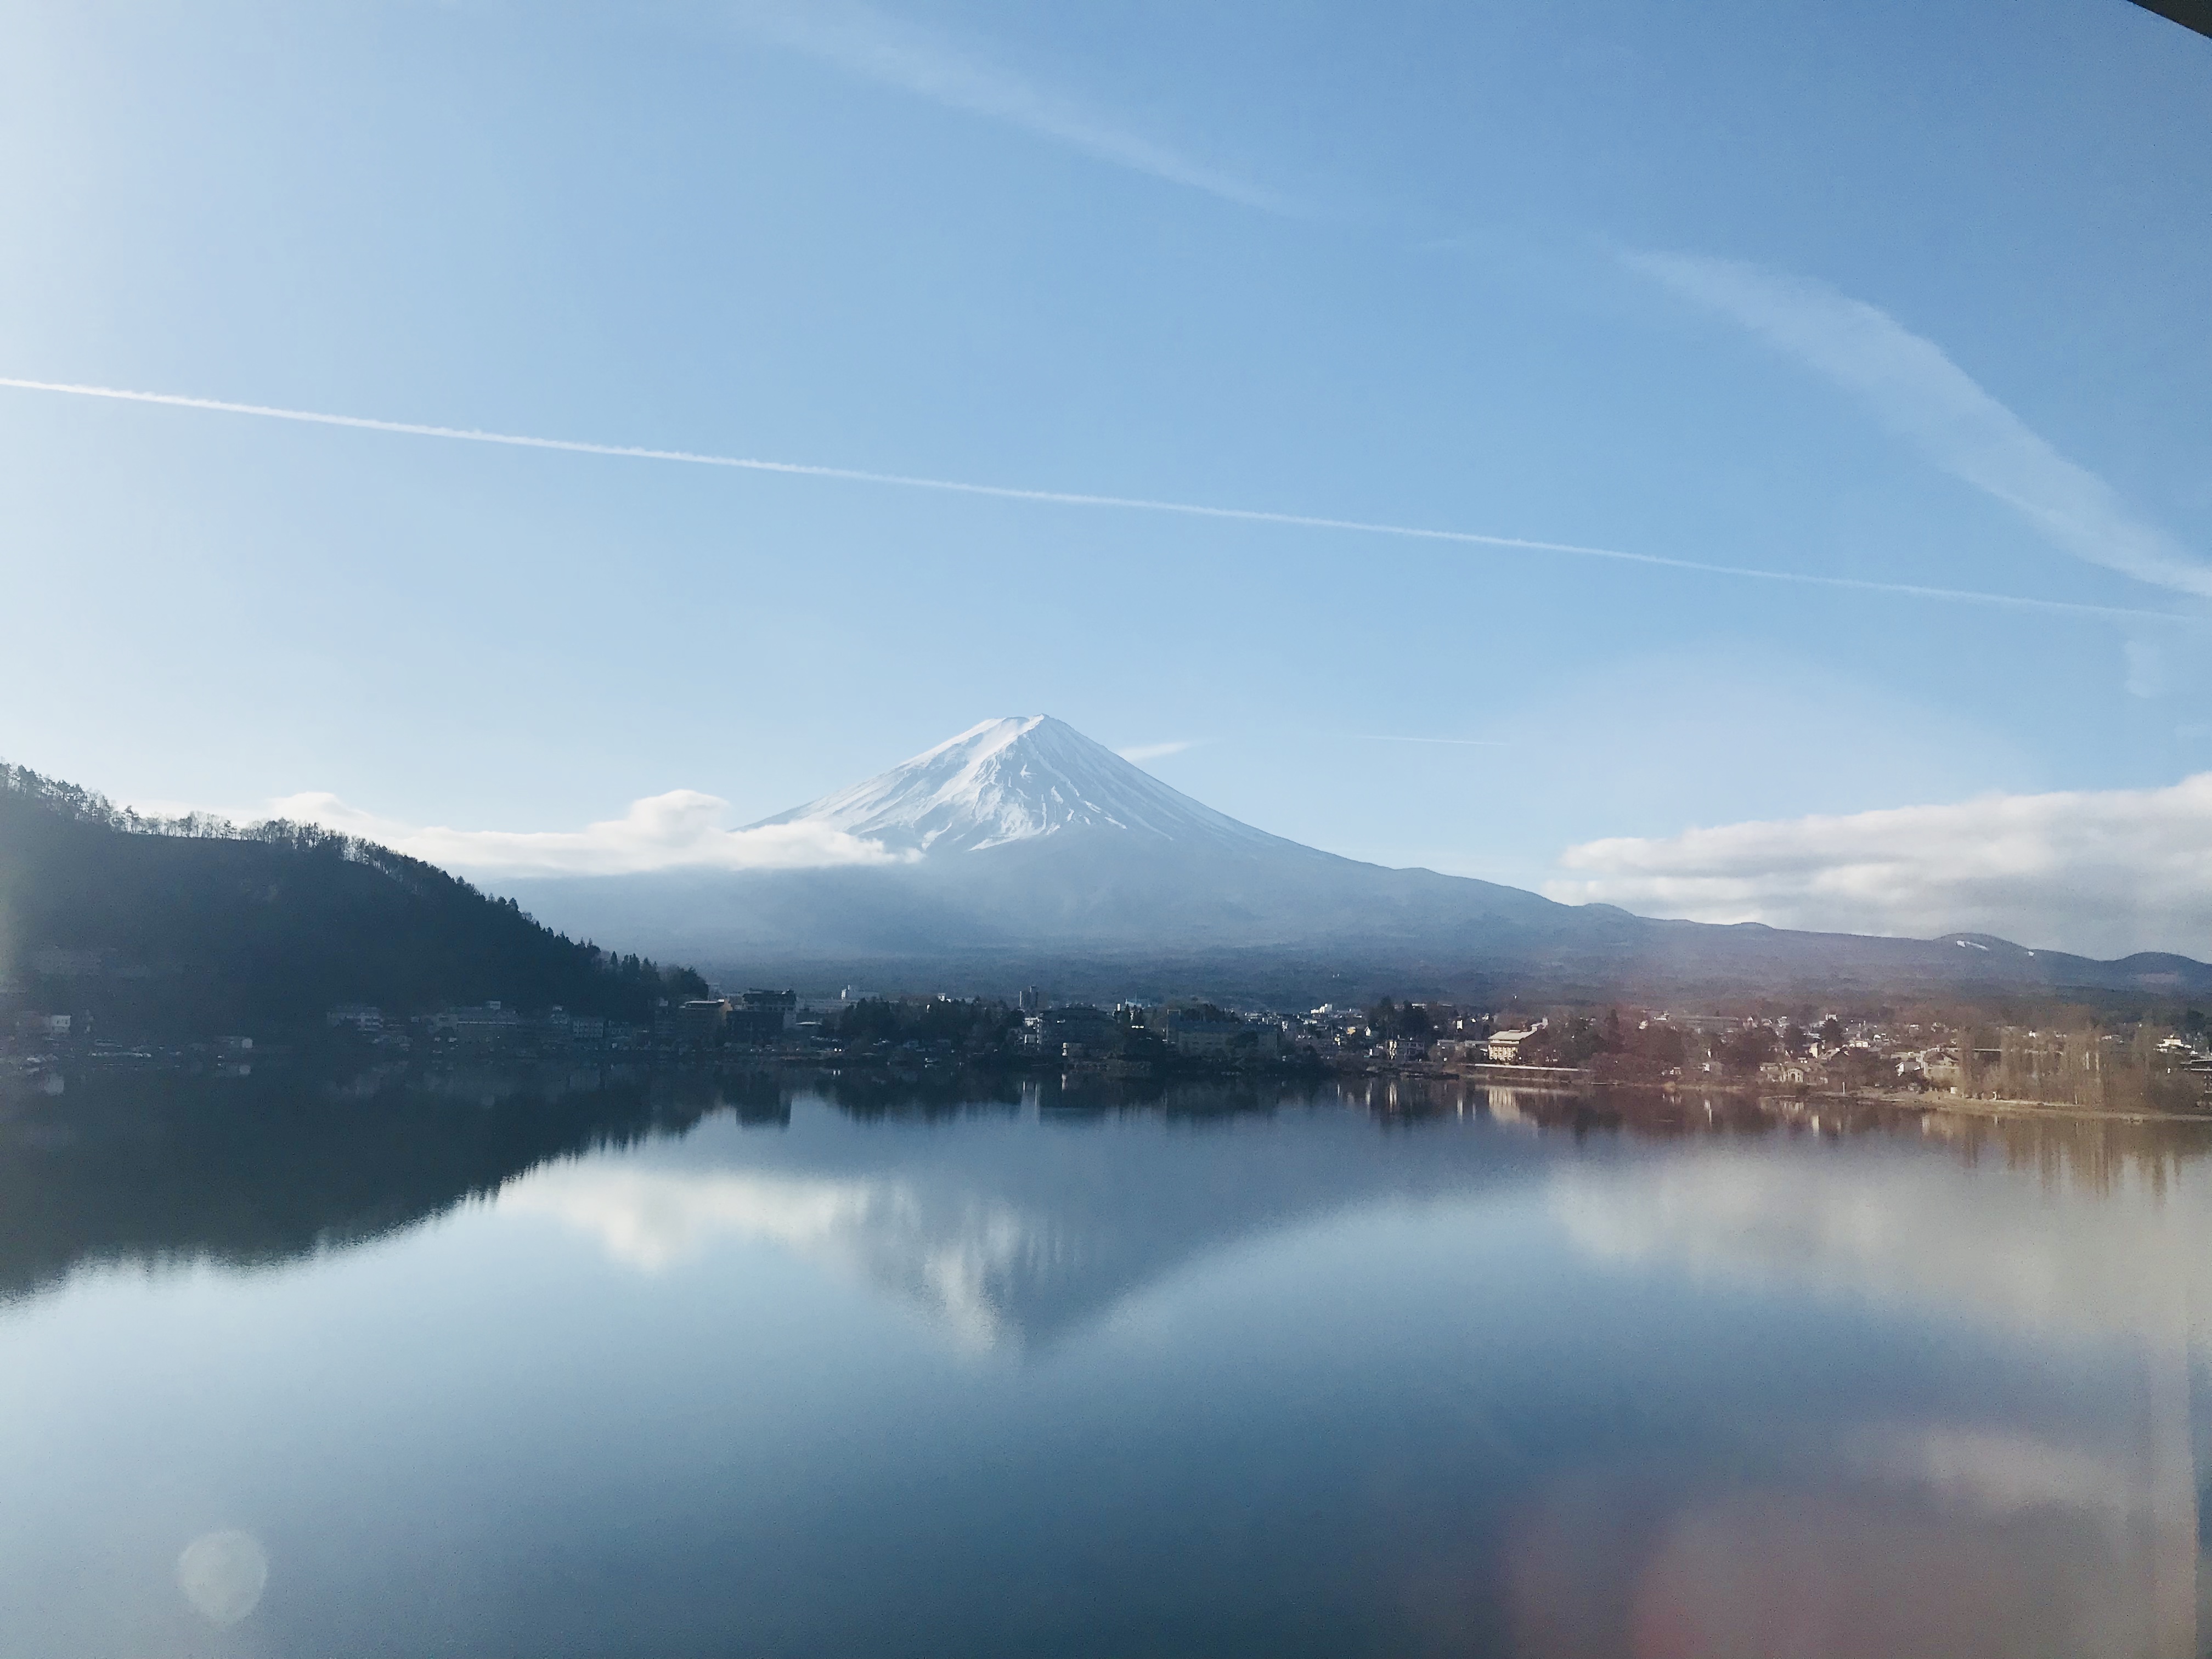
[1014, 780]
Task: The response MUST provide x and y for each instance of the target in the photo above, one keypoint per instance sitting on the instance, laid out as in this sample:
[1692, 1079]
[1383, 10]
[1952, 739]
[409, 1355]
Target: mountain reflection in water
[609, 1363]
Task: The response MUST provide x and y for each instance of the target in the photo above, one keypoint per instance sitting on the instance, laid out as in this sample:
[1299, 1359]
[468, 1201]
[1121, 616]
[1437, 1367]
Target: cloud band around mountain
[676, 830]
[2102, 873]
[1140, 752]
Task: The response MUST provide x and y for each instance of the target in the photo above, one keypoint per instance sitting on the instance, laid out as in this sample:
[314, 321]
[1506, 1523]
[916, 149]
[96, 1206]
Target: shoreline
[1563, 1080]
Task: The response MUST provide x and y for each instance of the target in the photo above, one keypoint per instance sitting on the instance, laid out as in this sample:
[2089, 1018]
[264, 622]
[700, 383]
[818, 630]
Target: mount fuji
[1023, 847]
[1011, 780]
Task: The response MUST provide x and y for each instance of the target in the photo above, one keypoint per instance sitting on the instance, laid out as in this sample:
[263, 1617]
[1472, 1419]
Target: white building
[1504, 1048]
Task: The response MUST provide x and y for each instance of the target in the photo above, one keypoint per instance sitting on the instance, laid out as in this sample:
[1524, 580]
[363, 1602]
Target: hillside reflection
[152, 1169]
[1015, 1237]
[1497, 1370]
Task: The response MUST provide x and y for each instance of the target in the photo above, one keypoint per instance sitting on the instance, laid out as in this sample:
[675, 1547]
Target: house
[1503, 1047]
[1404, 1051]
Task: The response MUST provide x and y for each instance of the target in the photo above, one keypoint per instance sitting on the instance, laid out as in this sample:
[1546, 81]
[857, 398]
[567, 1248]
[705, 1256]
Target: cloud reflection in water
[955, 1260]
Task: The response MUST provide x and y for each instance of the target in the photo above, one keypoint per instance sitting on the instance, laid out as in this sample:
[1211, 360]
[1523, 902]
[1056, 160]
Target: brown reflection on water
[2082, 1148]
[1810, 1572]
[1893, 1539]
[1884, 1539]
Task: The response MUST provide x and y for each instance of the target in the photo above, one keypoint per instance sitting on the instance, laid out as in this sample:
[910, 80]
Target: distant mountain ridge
[1030, 847]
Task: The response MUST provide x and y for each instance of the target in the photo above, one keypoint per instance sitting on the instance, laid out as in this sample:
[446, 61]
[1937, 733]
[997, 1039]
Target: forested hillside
[195, 925]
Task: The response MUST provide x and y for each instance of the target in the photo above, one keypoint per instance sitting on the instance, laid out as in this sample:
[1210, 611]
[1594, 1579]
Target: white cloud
[681, 829]
[1926, 398]
[2104, 872]
[1141, 752]
[864, 41]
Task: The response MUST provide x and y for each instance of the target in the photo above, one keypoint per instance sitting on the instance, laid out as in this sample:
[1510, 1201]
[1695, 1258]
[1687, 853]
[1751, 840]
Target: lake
[608, 1366]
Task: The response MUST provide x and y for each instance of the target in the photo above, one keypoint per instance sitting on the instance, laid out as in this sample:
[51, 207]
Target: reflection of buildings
[1505, 1105]
[2123, 1257]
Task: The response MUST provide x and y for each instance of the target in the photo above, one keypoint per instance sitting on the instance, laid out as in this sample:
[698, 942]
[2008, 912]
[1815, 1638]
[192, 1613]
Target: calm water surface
[650, 1370]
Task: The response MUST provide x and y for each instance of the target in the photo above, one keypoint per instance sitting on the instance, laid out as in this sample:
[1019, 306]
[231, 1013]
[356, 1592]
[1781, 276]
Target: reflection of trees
[943, 1093]
[930, 1095]
[2089, 1152]
[2092, 1154]
[261, 1169]
[158, 1168]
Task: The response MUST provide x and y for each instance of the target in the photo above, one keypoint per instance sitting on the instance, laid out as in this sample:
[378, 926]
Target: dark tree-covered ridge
[159, 925]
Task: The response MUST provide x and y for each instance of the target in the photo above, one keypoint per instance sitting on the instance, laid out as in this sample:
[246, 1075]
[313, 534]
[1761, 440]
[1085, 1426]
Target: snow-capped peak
[1014, 780]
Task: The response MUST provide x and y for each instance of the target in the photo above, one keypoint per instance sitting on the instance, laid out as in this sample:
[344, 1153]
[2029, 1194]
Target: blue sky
[1910, 295]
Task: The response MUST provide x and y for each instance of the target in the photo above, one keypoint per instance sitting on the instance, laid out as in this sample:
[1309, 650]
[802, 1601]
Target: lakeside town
[2071, 1057]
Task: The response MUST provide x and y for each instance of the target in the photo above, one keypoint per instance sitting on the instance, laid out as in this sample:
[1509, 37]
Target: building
[1706, 1024]
[1403, 1051]
[761, 1017]
[490, 1023]
[1504, 1048]
[1224, 1039]
[700, 1022]
[1054, 1030]
[359, 1015]
[1205, 1039]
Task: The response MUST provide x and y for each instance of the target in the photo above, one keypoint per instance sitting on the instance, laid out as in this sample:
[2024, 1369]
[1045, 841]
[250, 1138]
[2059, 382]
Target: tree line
[172, 926]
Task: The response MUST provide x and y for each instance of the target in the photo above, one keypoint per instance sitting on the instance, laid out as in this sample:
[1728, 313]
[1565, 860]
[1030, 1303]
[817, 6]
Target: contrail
[1128, 503]
[1461, 742]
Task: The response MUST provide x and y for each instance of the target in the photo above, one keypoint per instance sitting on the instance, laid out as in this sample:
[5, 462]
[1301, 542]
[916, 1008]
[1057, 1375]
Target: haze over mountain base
[1024, 851]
